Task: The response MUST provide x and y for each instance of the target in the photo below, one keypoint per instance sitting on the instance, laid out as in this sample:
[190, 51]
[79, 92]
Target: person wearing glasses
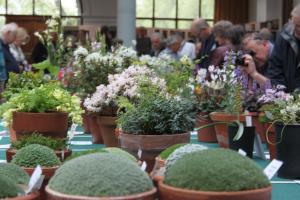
[261, 50]
[22, 38]
[284, 63]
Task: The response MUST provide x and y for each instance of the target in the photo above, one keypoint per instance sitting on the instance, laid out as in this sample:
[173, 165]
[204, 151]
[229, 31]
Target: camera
[240, 59]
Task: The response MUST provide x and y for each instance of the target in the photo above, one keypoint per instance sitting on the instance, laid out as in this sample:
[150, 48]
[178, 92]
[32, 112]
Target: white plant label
[248, 121]
[144, 166]
[242, 152]
[272, 168]
[72, 131]
[34, 179]
[139, 154]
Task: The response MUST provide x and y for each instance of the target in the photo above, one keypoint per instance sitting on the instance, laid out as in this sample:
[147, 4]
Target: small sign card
[144, 166]
[272, 168]
[81, 143]
[139, 154]
[242, 152]
[34, 179]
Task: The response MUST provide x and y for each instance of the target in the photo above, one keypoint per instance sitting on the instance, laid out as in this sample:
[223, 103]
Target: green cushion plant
[181, 151]
[101, 175]
[36, 138]
[215, 170]
[166, 153]
[112, 150]
[35, 154]
[8, 188]
[14, 173]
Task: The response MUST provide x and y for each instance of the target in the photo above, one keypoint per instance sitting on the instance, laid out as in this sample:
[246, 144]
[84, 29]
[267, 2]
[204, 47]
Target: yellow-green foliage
[215, 170]
[100, 175]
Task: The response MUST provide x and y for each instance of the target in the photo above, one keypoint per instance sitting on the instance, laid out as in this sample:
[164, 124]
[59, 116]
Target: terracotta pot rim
[213, 193]
[65, 196]
[163, 135]
[43, 168]
[32, 195]
[41, 113]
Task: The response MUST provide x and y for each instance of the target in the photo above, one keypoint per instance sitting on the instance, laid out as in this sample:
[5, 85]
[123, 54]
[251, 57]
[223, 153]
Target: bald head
[200, 28]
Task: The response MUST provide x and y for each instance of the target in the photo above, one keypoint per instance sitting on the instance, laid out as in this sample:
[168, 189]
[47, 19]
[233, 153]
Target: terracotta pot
[12, 134]
[271, 135]
[53, 124]
[85, 123]
[48, 172]
[171, 193]
[207, 134]
[259, 127]
[53, 195]
[156, 173]
[31, 196]
[108, 126]
[151, 145]
[221, 129]
[95, 129]
[11, 152]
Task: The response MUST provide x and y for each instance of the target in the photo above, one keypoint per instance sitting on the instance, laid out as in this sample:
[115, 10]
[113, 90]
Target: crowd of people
[265, 60]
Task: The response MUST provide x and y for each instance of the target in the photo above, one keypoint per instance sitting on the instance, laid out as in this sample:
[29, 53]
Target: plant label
[144, 166]
[34, 179]
[242, 152]
[248, 121]
[72, 131]
[139, 154]
[272, 168]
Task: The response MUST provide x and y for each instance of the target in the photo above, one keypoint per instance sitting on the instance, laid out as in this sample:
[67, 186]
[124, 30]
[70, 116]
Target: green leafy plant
[13, 172]
[24, 81]
[35, 154]
[181, 151]
[46, 98]
[36, 138]
[46, 65]
[105, 175]
[8, 188]
[166, 153]
[112, 150]
[156, 114]
[207, 170]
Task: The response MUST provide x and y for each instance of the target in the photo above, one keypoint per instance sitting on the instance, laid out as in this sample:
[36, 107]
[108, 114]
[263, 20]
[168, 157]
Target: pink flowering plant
[125, 84]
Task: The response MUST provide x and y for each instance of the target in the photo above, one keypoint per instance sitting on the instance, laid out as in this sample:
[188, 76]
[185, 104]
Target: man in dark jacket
[202, 31]
[284, 63]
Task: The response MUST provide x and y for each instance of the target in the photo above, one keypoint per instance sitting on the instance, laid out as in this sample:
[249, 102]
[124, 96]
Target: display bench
[282, 189]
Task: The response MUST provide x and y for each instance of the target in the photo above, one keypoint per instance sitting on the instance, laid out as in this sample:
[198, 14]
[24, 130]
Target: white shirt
[18, 54]
[188, 49]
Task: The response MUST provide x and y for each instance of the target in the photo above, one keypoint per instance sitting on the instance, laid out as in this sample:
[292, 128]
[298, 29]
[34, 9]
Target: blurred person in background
[157, 44]
[143, 42]
[22, 38]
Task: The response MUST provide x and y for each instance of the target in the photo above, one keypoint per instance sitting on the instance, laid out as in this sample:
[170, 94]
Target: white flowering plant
[125, 84]
[45, 98]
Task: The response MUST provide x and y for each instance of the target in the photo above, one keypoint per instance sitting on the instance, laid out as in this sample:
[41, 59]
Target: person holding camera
[284, 63]
[261, 50]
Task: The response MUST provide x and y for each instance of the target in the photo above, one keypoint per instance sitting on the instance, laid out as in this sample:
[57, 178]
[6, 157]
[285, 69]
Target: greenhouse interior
[150, 99]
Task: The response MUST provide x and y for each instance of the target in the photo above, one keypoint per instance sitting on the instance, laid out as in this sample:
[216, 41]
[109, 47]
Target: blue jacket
[3, 73]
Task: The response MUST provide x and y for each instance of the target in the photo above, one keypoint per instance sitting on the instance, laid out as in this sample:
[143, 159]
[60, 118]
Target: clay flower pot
[221, 129]
[62, 155]
[53, 195]
[271, 139]
[108, 126]
[48, 172]
[53, 124]
[31, 196]
[85, 123]
[170, 193]
[95, 129]
[151, 145]
[207, 134]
